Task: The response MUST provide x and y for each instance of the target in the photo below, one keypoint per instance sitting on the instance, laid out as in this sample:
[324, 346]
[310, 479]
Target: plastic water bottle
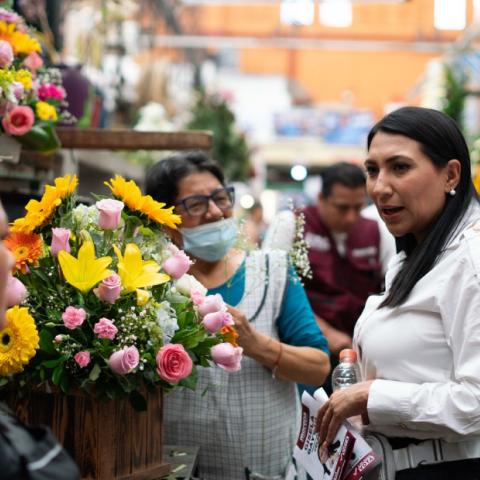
[346, 373]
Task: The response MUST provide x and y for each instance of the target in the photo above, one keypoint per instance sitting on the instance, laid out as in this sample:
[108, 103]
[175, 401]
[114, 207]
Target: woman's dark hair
[164, 176]
[441, 140]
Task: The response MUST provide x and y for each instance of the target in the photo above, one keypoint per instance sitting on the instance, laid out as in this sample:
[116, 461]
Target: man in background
[345, 254]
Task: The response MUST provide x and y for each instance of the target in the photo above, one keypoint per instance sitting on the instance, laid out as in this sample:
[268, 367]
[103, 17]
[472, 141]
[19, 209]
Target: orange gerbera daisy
[26, 248]
[230, 335]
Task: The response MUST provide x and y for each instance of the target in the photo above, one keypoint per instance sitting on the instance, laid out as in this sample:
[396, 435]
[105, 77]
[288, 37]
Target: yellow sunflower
[38, 212]
[131, 196]
[22, 43]
[18, 341]
[26, 248]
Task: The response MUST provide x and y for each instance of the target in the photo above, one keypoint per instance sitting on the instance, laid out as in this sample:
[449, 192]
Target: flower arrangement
[102, 301]
[32, 98]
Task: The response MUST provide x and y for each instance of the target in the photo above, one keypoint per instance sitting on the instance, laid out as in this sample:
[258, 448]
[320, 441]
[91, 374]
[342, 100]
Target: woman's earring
[452, 192]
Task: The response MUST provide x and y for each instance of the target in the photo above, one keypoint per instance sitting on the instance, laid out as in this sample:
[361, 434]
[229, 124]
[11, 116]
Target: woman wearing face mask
[419, 342]
[245, 423]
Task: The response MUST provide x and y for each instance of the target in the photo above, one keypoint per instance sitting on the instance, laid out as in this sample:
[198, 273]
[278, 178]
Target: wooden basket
[107, 440]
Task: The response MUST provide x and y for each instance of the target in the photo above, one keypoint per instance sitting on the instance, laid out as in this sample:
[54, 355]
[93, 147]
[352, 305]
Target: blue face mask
[212, 241]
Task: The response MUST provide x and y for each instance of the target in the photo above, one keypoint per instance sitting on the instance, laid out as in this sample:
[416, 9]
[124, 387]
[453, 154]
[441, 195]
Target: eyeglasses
[197, 205]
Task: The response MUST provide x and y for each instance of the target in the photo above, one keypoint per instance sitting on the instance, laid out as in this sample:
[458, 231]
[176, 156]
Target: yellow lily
[85, 271]
[136, 273]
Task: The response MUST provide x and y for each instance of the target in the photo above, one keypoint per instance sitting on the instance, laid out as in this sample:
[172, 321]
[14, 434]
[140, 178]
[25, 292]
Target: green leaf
[55, 362]
[138, 401]
[95, 372]
[3, 381]
[57, 373]
[39, 273]
[189, 338]
[64, 381]
[46, 342]
[191, 381]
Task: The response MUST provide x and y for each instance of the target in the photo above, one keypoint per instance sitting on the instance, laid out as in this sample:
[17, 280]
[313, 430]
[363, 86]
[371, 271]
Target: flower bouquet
[32, 98]
[101, 301]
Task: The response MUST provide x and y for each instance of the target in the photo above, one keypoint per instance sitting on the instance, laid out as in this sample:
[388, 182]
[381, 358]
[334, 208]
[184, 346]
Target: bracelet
[277, 361]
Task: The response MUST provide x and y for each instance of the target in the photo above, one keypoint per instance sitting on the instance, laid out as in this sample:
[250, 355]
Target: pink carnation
[124, 361]
[73, 317]
[228, 357]
[105, 328]
[173, 363]
[82, 359]
[51, 91]
[18, 121]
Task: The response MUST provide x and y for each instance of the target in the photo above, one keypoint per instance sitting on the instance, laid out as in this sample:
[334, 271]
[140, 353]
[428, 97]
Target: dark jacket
[341, 285]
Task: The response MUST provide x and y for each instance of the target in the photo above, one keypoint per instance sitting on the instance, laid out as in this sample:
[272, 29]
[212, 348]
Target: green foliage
[230, 149]
[455, 93]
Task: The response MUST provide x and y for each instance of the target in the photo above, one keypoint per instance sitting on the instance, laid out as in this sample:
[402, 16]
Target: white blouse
[425, 354]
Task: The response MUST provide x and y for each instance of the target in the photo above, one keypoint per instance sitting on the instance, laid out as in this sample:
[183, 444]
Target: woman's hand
[341, 405]
[246, 332]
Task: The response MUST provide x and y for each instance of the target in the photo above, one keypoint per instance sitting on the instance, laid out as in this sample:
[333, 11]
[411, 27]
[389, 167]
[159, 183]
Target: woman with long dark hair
[419, 341]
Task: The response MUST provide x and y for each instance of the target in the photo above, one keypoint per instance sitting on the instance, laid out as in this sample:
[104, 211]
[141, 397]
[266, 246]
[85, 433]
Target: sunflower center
[6, 336]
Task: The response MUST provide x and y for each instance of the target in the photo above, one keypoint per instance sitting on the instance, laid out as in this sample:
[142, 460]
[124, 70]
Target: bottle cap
[348, 353]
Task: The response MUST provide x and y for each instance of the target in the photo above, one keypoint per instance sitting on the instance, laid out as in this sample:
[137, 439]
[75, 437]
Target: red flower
[18, 121]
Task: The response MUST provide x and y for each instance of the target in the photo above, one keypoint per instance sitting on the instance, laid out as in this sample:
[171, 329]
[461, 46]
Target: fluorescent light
[297, 12]
[450, 14]
[336, 13]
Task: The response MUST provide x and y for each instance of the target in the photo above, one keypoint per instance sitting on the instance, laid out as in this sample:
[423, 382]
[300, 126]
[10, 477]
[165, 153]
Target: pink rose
[216, 320]
[82, 359]
[58, 338]
[73, 317]
[18, 121]
[173, 363]
[105, 328]
[15, 292]
[197, 297]
[33, 62]
[212, 303]
[60, 238]
[177, 265]
[6, 54]
[124, 361]
[110, 213]
[109, 289]
[228, 357]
